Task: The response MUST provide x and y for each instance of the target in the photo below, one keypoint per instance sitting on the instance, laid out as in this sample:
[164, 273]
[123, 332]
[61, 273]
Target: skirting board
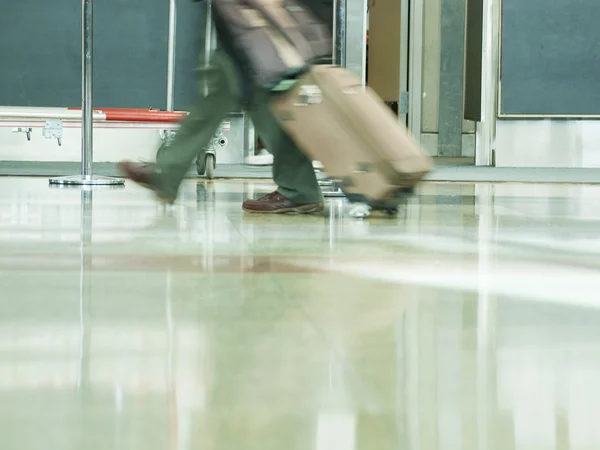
[54, 169]
[429, 142]
[462, 174]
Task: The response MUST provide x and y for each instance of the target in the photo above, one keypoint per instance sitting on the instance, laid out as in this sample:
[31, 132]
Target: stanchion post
[171, 55]
[87, 83]
[209, 39]
[87, 177]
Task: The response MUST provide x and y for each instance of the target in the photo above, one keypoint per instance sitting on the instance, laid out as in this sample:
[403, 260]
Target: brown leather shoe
[275, 203]
[145, 175]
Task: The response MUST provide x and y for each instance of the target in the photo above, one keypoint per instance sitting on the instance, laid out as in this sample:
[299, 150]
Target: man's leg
[195, 131]
[293, 172]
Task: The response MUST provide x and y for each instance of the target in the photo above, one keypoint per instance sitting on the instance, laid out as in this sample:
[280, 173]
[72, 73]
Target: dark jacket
[322, 9]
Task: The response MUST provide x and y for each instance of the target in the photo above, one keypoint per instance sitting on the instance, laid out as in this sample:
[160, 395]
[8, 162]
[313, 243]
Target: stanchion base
[86, 180]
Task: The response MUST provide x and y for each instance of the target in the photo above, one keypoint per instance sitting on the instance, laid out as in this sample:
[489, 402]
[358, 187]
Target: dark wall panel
[550, 62]
[473, 57]
[40, 52]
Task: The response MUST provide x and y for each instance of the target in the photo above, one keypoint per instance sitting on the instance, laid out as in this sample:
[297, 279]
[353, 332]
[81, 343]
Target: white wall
[110, 145]
[548, 143]
[112, 142]
[533, 143]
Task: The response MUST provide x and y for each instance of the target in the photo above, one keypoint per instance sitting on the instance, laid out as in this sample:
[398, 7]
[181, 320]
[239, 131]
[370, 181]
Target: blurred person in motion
[223, 87]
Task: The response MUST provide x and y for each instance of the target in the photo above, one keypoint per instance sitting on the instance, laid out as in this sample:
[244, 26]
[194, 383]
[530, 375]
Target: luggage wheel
[363, 210]
[359, 210]
[206, 164]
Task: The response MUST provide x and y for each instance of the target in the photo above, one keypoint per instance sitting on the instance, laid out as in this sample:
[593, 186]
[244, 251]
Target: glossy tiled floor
[470, 321]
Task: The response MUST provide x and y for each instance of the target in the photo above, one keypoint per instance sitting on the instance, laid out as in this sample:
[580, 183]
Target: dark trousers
[220, 93]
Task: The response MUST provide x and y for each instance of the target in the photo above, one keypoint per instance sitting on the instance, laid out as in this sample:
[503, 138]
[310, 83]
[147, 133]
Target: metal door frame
[485, 131]
[412, 69]
[404, 106]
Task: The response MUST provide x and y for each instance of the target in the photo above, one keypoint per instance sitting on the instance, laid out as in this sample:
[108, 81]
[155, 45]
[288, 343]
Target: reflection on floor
[470, 321]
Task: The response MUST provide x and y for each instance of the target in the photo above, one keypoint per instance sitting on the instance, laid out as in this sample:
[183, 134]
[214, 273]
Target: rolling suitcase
[347, 127]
